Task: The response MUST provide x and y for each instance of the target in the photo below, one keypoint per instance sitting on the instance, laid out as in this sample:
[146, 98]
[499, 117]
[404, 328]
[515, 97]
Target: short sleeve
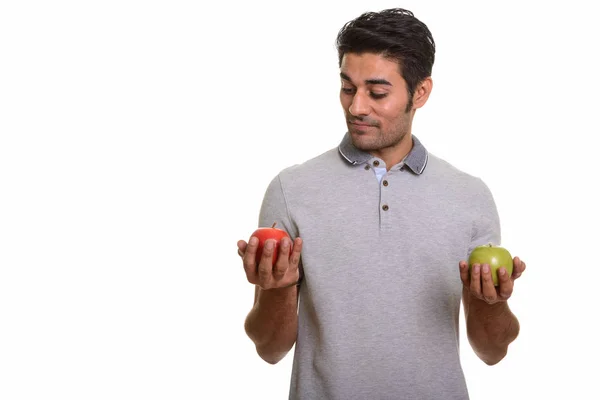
[274, 209]
[486, 221]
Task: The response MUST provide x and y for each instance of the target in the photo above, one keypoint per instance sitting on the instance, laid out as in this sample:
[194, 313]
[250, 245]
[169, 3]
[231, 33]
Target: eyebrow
[368, 81]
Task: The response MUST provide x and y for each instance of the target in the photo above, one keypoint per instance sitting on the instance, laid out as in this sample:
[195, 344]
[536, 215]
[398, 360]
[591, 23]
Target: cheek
[395, 105]
[389, 111]
[344, 101]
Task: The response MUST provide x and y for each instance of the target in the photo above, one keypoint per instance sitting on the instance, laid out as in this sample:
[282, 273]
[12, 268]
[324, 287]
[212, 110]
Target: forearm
[490, 329]
[272, 324]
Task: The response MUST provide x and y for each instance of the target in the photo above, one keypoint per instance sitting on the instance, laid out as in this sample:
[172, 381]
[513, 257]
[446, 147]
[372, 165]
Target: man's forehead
[368, 66]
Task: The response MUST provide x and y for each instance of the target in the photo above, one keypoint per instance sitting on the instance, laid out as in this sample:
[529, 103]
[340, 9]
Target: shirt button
[385, 183]
[385, 207]
[367, 167]
[376, 163]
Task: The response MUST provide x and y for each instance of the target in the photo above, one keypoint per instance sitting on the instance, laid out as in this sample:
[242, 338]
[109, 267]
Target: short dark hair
[395, 34]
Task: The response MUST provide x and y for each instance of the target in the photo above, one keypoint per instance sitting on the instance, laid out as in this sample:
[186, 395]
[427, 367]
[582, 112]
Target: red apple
[494, 256]
[265, 233]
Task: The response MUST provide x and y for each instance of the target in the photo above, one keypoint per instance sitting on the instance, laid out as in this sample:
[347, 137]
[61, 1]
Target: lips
[361, 124]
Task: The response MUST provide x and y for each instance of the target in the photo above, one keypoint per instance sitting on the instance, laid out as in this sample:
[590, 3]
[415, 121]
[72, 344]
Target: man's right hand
[284, 273]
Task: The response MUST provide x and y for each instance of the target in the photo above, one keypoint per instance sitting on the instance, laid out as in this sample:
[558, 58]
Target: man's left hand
[479, 282]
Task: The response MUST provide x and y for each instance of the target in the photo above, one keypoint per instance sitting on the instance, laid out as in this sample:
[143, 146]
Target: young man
[370, 288]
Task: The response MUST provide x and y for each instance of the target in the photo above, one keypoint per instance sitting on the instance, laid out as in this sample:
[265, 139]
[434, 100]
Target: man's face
[374, 97]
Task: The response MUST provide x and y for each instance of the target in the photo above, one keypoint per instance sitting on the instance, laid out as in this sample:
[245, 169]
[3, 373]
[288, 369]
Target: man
[369, 290]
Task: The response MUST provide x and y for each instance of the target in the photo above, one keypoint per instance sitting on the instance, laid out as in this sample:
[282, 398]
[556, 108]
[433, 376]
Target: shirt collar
[416, 158]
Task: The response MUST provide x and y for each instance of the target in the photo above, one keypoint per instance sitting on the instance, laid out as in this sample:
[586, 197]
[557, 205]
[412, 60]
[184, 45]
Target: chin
[363, 142]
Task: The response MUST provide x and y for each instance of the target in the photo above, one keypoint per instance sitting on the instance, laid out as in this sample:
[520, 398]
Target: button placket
[384, 196]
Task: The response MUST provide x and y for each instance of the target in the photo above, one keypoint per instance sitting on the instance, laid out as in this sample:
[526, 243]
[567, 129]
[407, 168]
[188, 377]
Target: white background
[137, 139]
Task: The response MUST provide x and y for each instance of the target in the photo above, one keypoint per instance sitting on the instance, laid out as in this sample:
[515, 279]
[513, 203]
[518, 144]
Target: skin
[379, 115]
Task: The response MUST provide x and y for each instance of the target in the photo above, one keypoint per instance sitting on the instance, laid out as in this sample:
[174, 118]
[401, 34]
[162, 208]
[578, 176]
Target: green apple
[494, 256]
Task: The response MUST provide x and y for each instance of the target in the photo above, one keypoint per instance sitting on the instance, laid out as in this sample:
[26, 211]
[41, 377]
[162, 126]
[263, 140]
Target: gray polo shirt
[380, 300]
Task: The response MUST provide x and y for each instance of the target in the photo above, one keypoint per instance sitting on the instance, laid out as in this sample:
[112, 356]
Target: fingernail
[486, 269]
[502, 271]
[269, 245]
[284, 243]
[253, 241]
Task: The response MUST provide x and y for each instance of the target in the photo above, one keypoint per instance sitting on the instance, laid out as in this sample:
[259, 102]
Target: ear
[422, 92]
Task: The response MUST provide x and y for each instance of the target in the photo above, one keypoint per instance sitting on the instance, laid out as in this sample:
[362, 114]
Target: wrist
[281, 289]
[289, 286]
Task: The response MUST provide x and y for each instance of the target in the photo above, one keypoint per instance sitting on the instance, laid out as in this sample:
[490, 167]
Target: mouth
[361, 124]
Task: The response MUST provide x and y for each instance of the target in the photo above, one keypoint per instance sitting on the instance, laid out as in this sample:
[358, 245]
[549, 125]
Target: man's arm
[491, 326]
[272, 323]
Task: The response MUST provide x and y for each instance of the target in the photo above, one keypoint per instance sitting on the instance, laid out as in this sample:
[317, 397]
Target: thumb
[464, 272]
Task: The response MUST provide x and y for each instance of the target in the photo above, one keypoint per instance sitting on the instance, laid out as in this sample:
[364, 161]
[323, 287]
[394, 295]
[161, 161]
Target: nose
[360, 105]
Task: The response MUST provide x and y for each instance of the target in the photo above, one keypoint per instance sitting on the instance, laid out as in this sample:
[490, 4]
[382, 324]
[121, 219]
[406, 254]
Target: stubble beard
[366, 141]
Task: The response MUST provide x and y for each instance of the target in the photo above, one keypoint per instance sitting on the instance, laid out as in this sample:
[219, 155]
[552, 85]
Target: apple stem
[274, 223]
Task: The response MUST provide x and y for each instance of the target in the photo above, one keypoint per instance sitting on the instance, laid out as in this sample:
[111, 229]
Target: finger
[296, 250]
[241, 247]
[487, 284]
[463, 267]
[523, 266]
[475, 284]
[505, 284]
[295, 255]
[282, 263]
[518, 267]
[265, 266]
[249, 259]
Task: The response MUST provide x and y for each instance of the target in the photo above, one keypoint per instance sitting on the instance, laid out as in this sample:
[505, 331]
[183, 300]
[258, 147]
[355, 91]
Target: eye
[348, 90]
[378, 96]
